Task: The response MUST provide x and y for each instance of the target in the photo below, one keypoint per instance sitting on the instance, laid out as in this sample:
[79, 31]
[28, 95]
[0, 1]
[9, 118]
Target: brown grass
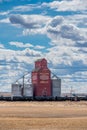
[43, 115]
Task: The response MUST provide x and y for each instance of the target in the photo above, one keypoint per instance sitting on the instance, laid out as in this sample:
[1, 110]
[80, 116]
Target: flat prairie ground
[43, 115]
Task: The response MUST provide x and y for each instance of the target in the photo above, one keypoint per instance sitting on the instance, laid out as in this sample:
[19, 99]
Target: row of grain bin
[18, 90]
[27, 91]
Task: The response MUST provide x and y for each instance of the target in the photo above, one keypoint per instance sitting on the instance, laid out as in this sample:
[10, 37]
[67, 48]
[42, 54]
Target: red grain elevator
[41, 78]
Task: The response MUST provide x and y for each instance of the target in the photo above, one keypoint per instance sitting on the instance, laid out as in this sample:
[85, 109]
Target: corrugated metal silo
[56, 87]
[16, 90]
[28, 90]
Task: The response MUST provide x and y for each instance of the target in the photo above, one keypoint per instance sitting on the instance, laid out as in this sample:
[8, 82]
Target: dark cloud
[57, 28]
[56, 21]
[20, 20]
[16, 19]
[53, 25]
[53, 31]
[82, 45]
[70, 32]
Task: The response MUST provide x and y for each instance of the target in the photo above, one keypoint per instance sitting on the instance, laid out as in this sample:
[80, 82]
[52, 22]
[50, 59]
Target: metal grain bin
[56, 87]
[16, 90]
[28, 90]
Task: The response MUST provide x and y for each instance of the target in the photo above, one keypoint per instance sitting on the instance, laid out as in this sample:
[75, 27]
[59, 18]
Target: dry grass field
[43, 115]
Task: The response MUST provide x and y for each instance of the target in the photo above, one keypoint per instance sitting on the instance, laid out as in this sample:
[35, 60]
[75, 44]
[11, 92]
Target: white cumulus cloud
[65, 5]
[20, 44]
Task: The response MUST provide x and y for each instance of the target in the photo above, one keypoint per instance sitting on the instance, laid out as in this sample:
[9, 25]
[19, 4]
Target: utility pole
[71, 91]
[23, 87]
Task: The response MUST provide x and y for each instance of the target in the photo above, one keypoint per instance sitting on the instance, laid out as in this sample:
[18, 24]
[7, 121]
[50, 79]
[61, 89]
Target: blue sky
[33, 29]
